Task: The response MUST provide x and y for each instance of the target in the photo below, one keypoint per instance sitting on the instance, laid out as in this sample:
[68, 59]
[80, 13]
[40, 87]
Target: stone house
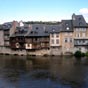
[80, 28]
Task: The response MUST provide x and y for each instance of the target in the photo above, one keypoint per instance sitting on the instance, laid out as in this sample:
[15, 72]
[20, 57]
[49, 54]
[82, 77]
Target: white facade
[54, 39]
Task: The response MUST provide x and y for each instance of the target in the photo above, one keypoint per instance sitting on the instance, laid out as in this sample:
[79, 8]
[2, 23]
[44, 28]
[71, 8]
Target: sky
[41, 10]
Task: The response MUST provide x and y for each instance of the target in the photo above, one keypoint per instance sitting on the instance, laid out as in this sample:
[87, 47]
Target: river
[43, 72]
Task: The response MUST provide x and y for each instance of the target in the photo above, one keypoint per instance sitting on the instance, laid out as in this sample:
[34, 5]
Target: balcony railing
[84, 44]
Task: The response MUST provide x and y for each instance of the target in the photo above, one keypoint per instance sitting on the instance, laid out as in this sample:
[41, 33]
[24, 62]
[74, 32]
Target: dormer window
[67, 28]
[53, 29]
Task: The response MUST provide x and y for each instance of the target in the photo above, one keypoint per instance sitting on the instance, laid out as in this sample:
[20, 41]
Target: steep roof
[42, 30]
[78, 21]
[67, 26]
[38, 30]
[55, 28]
[20, 31]
[6, 26]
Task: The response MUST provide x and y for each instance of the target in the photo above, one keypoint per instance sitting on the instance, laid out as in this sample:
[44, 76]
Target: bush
[86, 54]
[77, 54]
[82, 54]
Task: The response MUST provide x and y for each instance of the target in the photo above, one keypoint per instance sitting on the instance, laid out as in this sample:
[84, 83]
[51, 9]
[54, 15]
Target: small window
[53, 29]
[57, 41]
[78, 35]
[70, 40]
[52, 41]
[67, 28]
[65, 40]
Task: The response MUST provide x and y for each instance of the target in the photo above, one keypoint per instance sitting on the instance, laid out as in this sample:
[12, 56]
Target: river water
[43, 72]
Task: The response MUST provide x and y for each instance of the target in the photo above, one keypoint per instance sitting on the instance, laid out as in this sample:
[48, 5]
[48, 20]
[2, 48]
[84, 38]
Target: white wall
[54, 38]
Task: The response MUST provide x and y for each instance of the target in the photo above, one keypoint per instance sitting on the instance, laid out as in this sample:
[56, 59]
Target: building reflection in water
[19, 70]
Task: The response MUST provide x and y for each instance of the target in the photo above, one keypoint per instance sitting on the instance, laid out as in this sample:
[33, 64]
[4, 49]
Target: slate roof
[78, 21]
[20, 31]
[40, 30]
[67, 26]
[55, 28]
[7, 26]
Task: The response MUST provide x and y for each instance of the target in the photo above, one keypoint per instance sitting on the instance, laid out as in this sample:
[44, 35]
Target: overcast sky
[41, 10]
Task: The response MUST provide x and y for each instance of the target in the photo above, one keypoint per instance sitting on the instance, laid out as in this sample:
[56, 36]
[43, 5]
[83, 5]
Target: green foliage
[77, 54]
[86, 54]
[82, 54]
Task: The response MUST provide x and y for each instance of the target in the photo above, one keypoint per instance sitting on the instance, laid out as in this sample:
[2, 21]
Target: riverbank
[43, 52]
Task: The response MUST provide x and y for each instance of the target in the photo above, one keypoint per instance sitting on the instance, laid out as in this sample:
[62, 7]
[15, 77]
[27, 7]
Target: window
[70, 40]
[67, 28]
[57, 35]
[52, 41]
[65, 40]
[78, 35]
[57, 41]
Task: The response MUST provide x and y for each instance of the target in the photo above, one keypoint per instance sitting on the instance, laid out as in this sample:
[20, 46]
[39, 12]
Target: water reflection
[43, 72]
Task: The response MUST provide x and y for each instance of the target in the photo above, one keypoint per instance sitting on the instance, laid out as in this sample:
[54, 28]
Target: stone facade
[45, 39]
[67, 42]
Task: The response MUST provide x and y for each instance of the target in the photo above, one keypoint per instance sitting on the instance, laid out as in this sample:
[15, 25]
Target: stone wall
[52, 51]
[7, 50]
[39, 52]
[55, 51]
